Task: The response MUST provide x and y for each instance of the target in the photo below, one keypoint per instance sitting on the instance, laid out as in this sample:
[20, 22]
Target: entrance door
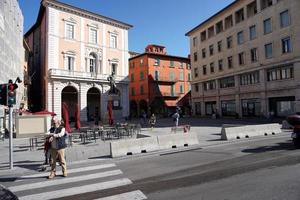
[93, 104]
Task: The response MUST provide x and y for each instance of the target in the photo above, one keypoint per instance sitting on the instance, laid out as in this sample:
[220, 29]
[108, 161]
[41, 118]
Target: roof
[158, 55]
[78, 11]
[201, 24]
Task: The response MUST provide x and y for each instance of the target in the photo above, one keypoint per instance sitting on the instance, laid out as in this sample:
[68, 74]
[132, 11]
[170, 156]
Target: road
[249, 169]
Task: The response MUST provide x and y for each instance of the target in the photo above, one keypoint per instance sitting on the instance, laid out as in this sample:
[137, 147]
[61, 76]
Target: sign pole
[10, 118]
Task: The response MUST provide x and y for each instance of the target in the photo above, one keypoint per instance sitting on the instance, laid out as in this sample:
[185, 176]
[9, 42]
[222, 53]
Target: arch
[69, 95]
[133, 109]
[93, 104]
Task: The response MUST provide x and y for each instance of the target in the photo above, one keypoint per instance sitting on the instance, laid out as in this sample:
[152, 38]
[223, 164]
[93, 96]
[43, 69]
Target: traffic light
[11, 94]
[3, 94]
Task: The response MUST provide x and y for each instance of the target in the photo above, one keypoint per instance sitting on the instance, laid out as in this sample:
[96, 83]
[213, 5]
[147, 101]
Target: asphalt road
[260, 169]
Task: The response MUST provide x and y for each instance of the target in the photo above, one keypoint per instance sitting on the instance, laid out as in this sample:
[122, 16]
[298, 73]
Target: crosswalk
[80, 181]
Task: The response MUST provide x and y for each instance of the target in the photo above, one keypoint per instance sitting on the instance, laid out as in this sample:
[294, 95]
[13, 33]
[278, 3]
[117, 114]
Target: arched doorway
[93, 104]
[133, 109]
[143, 107]
[69, 95]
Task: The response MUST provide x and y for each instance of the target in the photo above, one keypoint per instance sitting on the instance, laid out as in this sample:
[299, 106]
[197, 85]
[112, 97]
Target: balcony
[87, 76]
[165, 80]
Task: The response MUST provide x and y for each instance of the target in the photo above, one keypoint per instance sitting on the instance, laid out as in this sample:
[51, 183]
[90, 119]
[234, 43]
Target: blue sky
[162, 22]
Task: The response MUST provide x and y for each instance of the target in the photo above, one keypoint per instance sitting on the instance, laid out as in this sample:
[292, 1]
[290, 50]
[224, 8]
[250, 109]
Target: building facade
[11, 44]
[158, 82]
[74, 51]
[246, 61]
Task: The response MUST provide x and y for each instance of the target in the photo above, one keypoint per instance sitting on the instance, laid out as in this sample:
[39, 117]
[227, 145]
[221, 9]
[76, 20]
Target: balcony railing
[62, 73]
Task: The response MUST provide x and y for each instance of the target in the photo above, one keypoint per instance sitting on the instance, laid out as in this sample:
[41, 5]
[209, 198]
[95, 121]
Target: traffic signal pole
[10, 124]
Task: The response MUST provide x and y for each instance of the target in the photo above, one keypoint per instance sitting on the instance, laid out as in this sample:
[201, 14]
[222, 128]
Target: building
[74, 51]
[11, 44]
[158, 82]
[246, 61]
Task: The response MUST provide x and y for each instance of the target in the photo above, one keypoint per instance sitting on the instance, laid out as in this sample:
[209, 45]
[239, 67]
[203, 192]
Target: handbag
[62, 141]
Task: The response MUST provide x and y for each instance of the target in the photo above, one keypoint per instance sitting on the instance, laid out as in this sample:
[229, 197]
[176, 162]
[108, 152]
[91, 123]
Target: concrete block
[133, 146]
[177, 140]
[247, 131]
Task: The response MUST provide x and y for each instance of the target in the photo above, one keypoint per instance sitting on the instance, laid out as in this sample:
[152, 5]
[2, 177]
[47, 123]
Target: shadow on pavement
[288, 145]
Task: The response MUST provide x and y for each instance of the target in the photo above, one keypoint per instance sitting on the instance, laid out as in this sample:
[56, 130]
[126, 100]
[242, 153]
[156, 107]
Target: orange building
[159, 82]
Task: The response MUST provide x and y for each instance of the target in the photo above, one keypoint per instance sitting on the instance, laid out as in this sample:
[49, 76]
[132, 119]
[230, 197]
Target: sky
[162, 22]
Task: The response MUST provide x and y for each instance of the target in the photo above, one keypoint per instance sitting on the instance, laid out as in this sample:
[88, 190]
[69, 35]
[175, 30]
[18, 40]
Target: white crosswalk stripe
[82, 180]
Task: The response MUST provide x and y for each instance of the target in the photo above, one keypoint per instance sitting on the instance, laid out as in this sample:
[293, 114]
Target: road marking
[75, 170]
[64, 181]
[134, 195]
[77, 190]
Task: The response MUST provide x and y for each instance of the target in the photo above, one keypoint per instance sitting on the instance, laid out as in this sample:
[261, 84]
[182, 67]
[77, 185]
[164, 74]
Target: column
[56, 99]
[238, 105]
[83, 101]
[125, 100]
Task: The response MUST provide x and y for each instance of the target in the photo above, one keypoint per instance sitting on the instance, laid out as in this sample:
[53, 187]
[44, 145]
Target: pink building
[74, 51]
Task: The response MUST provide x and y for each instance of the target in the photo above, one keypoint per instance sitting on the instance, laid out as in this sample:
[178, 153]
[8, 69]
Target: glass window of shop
[228, 108]
[210, 107]
[251, 107]
[197, 108]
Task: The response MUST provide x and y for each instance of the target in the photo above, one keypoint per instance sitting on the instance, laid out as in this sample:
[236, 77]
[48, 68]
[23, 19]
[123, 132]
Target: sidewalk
[208, 131]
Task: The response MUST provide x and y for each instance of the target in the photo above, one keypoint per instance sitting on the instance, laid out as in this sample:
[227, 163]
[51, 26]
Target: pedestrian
[47, 146]
[176, 118]
[58, 144]
[152, 121]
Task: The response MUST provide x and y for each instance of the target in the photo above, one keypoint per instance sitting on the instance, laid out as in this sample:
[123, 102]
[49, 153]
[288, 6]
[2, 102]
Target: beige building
[74, 51]
[246, 61]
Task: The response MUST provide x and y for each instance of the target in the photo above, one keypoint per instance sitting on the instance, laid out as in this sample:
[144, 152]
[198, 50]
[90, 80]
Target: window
[211, 31]
[265, 3]
[269, 50]
[194, 41]
[230, 63]
[251, 9]
[156, 75]
[113, 41]
[220, 65]
[240, 37]
[239, 16]
[70, 31]
[211, 50]
[267, 26]
[210, 85]
[241, 58]
[281, 73]
[114, 68]
[132, 91]
[172, 76]
[93, 36]
[189, 77]
[142, 76]
[181, 65]
[252, 31]
[132, 77]
[92, 59]
[249, 78]
[142, 89]
[203, 36]
[212, 67]
[219, 27]
[284, 19]
[181, 89]
[141, 62]
[254, 55]
[286, 45]
[229, 42]
[227, 82]
[203, 53]
[228, 22]
[197, 108]
[220, 46]
[196, 72]
[172, 90]
[171, 63]
[181, 76]
[204, 69]
[196, 87]
[195, 57]
[157, 62]
[70, 63]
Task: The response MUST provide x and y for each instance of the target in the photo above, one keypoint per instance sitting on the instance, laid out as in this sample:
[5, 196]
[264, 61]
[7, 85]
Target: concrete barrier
[230, 132]
[133, 146]
[177, 140]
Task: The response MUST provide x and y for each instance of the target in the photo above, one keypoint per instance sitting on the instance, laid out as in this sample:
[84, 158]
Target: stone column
[238, 106]
[83, 87]
[56, 99]
[125, 100]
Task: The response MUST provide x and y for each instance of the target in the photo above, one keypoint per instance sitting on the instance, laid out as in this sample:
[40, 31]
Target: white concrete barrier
[133, 146]
[230, 132]
[177, 140]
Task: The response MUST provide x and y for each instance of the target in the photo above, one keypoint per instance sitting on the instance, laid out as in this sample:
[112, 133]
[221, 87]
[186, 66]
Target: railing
[84, 75]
